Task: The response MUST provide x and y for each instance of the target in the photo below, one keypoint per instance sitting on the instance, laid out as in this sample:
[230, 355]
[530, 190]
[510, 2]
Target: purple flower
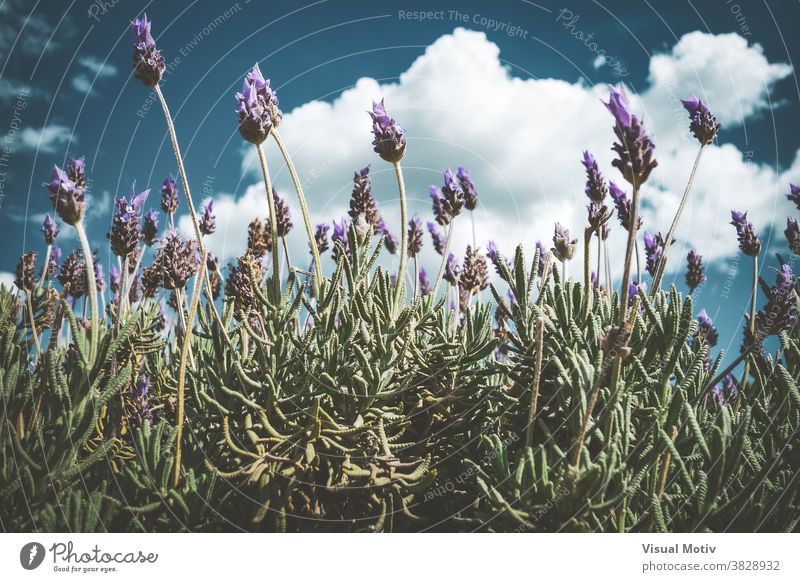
[321, 237]
[794, 195]
[148, 64]
[68, 191]
[126, 229]
[361, 200]
[563, 246]
[623, 206]
[706, 332]
[414, 236]
[115, 280]
[780, 312]
[792, 233]
[390, 138]
[695, 271]
[141, 406]
[704, 125]
[633, 289]
[451, 269]
[595, 183]
[99, 276]
[258, 107]
[598, 215]
[543, 252]
[634, 146]
[389, 241]
[208, 221]
[53, 261]
[726, 391]
[452, 195]
[49, 229]
[169, 195]
[749, 242]
[424, 282]
[653, 249]
[72, 274]
[468, 186]
[438, 238]
[494, 257]
[340, 236]
[474, 274]
[177, 260]
[150, 228]
[439, 212]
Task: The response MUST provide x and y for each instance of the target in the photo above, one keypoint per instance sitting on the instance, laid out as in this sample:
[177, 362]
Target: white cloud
[46, 139]
[522, 140]
[7, 280]
[97, 69]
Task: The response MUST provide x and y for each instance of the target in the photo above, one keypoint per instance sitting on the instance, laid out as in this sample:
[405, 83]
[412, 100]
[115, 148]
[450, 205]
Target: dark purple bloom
[150, 228]
[208, 221]
[340, 236]
[543, 252]
[115, 279]
[390, 138]
[99, 276]
[389, 240]
[361, 200]
[68, 191]
[126, 229]
[468, 186]
[26, 272]
[706, 332]
[141, 406]
[563, 246]
[438, 238]
[749, 242]
[424, 282]
[49, 229]
[595, 183]
[623, 206]
[177, 260]
[726, 391]
[258, 107]
[633, 289]
[704, 125]
[634, 146]
[451, 269]
[452, 196]
[321, 237]
[53, 261]
[439, 213]
[148, 64]
[695, 271]
[169, 196]
[414, 236]
[72, 274]
[653, 251]
[792, 233]
[780, 312]
[282, 216]
[794, 195]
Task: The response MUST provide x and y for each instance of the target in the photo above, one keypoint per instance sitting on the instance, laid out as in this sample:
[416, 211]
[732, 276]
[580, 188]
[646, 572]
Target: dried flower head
[68, 191]
[282, 216]
[361, 200]
[474, 273]
[543, 254]
[115, 279]
[695, 271]
[615, 341]
[563, 246]
[178, 260]
[598, 215]
[390, 138]
[208, 220]
[452, 196]
[99, 275]
[169, 195]
[26, 272]
[148, 63]
[634, 145]
[258, 107]
[126, 228]
[706, 332]
[704, 125]
[363, 228]
[53, 261]
[72, 275]
[653, 250]
[239, 286]
[321, 237]
[439, 212]
[468, 186]
[749, 243]
[259, 237]
[151, 280]
[150, 227]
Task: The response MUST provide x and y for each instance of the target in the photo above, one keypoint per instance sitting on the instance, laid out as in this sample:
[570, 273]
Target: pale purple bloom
[439, 212]
[148, 63]
[563, 246]
[389, 241]
[150, 228]
[258, 107]
[321, 237]
[340, 236]
[653, 250]
[595, 183]
[99, 276]
[623, 206]
[780, 312]
[414, 236]
[468, 186]
[452, 196]
[704, 125]
[424, 282]
[726, 391]
[208, 221]
[706, 330]
[115, 279]
[68, 191]
[543, 253]
[438, 238]
[451, 269]
[634, 146]
[55, 259]
[390, 138]
[49, 229]
[169, 195]
[633, 289]
[749, 242]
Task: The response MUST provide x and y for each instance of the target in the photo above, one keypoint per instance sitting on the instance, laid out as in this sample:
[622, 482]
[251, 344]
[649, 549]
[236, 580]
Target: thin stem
[537, 376]
[303, 209]
[609, 282]
[401, 270]
[457, 299]
[599, 257]
[662, 264]
[638, 266]
[46, 262]
[187, 338]
[273, 224]
[576, 457]
[33, 324]
[92, 288]
[626, 272]
[286, 252]
[445, 252]
[587, 238]
[752, 322]
[416, 277]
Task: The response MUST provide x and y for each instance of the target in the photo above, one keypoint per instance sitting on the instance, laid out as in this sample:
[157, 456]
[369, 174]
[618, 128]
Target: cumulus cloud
[46, 139]
[7, 280]
[522, 140]
[96, 69]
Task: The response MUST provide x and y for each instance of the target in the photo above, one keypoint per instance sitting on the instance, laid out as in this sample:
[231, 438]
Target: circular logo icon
[31, 555]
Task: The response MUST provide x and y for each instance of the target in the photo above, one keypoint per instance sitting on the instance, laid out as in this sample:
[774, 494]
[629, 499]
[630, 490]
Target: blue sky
[509, 89]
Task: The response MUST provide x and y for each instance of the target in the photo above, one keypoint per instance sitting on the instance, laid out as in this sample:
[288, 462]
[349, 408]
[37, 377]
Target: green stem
[662, 264]
[537, 376]
[445, 252]
[629, 249]
[273, 224]
[401, 270]
[752, 322]
[92, 288]
[303, 209]
[33, 324]
[46, 262]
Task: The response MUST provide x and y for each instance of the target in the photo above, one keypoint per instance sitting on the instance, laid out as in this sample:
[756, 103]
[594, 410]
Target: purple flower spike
[340, 236]
[390, 138]
[439, 212]
[438, 238]
[414, 236]
[794, 195]
[726, 391]
[706, 332]
[321, 237]
[452, 195]
[749, 243]
[424, 282]
[53, 262]
[563, 246]
[115, 279]
[792, 233]
[633, 290]
[634, 146]
[543, 252]
[141, 406]
[704, 125]
[653, 251]
[361, 200]
[389, 240]
[468, 186]
[258, 107]
[26, 272]
[595, 183]
[68, 191]
[150, 228]
[99, 276]
[148, 63]
[126, 229]
[49, 229]
[623, 206]
[695, 271]
[780, 312]
[208, 221]
[452, 269]
[169, 195]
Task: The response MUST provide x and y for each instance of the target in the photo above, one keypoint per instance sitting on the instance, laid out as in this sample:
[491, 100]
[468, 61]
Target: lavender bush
[261, 395]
